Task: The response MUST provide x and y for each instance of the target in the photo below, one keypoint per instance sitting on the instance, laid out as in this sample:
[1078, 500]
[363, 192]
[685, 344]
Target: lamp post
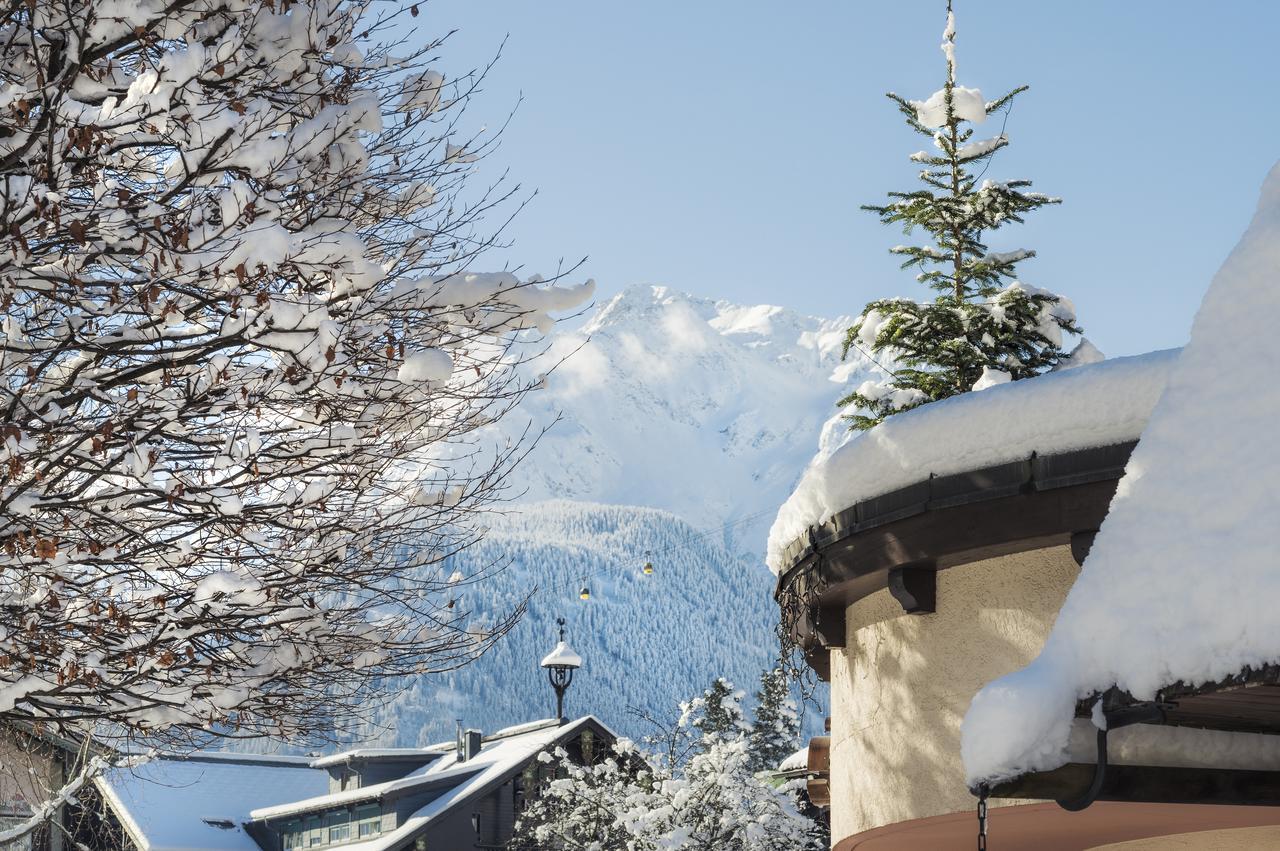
[560, 664]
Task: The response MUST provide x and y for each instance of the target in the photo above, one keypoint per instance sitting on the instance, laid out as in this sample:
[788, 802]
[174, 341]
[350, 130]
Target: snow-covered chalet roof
[562, 656]
[163, 804]
[501, 755]
[1099, 404]
[1182, 581]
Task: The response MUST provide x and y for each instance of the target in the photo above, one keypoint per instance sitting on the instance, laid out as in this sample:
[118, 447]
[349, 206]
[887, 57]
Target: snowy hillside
[646, 641]
[683, 424]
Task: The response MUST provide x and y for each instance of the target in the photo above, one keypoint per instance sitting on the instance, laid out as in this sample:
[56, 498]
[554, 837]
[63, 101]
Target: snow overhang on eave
[1247, 703]
[375, 755]
[377, 792]
[1180, 585]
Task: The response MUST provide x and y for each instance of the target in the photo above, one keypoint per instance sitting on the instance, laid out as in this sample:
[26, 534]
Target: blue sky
[723, 148]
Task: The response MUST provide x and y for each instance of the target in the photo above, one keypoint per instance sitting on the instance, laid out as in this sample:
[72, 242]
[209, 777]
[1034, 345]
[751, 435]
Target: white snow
[1083, 354]
[949, 45]
[1182, 581]
[973, 150]
[967, 104]
[659, 383]
[428, 365]
[1097, 405]
[562, 656]
[369, 753]
[990, 378]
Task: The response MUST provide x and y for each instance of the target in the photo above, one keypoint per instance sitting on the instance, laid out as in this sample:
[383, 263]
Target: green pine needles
[984, 326]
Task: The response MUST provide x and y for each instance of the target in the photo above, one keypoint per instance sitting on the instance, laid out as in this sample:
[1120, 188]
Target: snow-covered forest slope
[683, 424]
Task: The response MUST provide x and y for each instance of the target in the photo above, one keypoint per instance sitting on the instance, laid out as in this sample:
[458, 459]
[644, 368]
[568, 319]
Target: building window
[333, 828]
[368, 819]
[316, 836]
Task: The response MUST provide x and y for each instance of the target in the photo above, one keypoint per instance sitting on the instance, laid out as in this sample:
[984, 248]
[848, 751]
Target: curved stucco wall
[901, 685]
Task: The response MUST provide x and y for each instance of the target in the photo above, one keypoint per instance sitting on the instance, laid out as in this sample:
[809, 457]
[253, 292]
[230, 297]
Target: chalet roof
[199, 802]
[1181, 582]
[501, 756]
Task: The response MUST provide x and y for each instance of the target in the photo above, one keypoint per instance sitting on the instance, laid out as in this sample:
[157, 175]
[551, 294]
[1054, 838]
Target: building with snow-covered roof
[461, 794]
[453, 795]
[938, 556]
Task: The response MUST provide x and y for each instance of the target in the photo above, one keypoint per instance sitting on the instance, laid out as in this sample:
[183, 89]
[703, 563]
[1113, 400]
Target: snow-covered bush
[984, 326]
[694, 786]
[244, 363]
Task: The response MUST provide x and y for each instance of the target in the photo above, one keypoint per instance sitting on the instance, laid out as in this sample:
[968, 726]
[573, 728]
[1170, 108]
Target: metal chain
[982, 818]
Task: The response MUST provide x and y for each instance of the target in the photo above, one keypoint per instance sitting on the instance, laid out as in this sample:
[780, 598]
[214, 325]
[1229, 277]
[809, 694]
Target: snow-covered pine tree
[717, 713]
[984, 326]
[775, 726]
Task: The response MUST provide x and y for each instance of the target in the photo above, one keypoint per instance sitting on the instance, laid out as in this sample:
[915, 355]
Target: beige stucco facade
[901, 686]
[902, 683]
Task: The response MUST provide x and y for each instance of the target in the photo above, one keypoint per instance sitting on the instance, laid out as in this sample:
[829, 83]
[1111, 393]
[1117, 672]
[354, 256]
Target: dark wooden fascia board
[958, 535]
[944, 521]
[1039, 473]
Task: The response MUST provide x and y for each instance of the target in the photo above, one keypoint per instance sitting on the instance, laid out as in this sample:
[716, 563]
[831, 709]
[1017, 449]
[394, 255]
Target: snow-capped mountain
[706, 409]
[680, 425]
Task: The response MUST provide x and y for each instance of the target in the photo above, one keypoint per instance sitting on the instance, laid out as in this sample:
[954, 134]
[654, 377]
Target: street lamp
[560, 664]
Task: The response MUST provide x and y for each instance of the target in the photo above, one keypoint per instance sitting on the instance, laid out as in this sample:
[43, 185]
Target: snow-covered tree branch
[245, 364]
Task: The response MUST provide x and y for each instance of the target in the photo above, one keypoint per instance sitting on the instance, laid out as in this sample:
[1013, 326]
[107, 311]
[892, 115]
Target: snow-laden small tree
[984, 326]
[717, 713]
[639, 800]
[775, 725]
[245, 364]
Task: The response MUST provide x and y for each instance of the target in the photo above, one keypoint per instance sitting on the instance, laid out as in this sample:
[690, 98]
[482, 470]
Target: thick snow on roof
[562, 656]
[164, 803]
[1181, 583]
[371, 753]
[1095, 405]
